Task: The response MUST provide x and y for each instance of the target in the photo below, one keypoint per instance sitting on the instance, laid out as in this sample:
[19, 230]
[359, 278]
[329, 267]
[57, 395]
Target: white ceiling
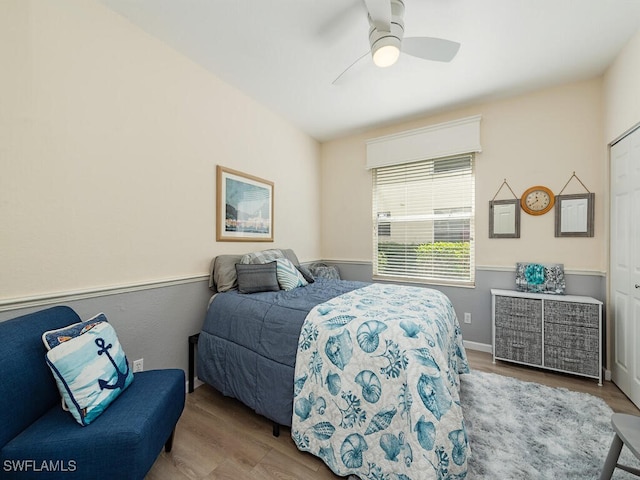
[286, 53]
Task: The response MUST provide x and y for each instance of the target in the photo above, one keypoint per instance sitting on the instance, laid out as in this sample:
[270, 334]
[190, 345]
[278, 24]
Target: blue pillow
[53, 338]
[91, 370]
[289, 277]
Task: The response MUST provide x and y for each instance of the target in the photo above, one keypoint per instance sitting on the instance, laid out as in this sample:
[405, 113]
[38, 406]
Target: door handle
[637, 286]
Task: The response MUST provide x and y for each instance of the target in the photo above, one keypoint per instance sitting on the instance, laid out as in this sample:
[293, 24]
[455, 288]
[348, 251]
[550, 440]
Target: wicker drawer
[518, 345]
[577, 361]
[571, 337]
[548, 331]
[572, 313]
[519, 313]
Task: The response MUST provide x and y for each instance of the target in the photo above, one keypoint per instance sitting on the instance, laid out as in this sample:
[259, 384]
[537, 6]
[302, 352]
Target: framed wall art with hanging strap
[504, 216]
[574, 212]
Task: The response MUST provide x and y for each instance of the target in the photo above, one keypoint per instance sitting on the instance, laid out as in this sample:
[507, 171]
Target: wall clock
[537, 200]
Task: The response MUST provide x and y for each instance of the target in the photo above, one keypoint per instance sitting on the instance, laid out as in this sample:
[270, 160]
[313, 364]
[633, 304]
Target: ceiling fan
[386, 32]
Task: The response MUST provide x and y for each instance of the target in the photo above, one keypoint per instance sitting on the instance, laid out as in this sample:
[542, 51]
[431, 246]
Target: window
[384, 228]
[451, 227]
[424, 221]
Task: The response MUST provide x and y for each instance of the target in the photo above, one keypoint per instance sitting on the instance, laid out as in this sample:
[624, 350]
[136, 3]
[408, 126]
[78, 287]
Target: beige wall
[108, 146]
[109, 141]
[534, 139]
[622, 91]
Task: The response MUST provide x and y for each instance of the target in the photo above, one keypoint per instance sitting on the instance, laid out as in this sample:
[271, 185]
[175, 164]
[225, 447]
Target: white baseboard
[482, 347]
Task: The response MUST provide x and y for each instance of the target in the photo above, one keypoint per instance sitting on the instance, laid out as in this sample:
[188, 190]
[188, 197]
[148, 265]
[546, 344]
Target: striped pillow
[264, 256]
[288, 275]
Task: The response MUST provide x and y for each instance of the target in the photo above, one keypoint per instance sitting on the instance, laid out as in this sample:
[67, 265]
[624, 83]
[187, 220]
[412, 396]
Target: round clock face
[537, 200]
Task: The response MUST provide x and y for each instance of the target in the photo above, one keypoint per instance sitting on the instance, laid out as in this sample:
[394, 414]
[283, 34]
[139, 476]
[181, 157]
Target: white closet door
[624, 267]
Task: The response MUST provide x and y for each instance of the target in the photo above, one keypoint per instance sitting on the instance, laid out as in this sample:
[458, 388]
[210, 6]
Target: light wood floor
[219, 438]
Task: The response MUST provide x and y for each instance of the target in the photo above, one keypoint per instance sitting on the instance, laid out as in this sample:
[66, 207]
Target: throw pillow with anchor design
[91, 370]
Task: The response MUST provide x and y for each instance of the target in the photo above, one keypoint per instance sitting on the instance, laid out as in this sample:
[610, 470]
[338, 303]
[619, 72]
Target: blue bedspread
[376, 385]
[248, 344]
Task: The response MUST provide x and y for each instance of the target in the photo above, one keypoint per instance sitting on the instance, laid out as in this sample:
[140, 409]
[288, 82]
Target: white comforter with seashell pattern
[376, 385]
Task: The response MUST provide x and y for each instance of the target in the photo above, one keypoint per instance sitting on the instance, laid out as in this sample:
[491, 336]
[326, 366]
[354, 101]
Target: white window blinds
[424, 221]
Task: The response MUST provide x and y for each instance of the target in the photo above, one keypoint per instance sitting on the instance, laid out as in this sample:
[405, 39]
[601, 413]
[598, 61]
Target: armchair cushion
[123, 442]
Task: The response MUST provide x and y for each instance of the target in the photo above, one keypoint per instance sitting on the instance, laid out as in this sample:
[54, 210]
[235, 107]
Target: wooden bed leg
[276, 429]
[169, 443]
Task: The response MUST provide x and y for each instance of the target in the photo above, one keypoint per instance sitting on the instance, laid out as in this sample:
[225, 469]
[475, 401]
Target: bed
[365, 374]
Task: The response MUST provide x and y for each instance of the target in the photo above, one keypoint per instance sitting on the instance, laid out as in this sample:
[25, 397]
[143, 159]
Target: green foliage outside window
[454, 254]
[424, 259]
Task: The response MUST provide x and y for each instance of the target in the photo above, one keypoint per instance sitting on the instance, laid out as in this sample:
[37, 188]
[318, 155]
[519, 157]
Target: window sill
[421, 282]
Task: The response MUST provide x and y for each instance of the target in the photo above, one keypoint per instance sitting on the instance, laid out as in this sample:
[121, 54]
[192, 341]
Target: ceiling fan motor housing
[387, 40]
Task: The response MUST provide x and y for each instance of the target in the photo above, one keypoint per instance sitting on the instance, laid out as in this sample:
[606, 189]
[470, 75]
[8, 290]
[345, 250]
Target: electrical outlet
[138, 365]
[467, 318]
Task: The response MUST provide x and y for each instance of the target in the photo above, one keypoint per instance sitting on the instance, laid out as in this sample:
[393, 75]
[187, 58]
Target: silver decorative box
[540, 278]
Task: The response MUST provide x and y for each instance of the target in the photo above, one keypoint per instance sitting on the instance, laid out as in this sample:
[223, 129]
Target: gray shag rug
[523, 430]
[526, 431]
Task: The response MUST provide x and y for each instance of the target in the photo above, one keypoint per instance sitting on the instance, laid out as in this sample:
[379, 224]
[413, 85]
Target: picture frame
[244, 207]
[504, 218]
[574, 215]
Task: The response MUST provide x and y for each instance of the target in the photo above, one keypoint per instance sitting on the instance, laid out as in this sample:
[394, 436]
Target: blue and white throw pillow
[91, 370]
[53, 338]
[288, 275]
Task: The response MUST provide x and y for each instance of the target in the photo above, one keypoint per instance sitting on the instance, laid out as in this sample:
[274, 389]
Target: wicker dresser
[556, 332]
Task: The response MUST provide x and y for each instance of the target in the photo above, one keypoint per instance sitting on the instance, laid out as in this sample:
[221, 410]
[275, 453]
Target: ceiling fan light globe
[385, 43]
[386, 55]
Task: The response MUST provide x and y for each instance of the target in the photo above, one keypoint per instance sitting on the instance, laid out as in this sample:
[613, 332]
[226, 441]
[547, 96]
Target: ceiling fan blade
[340, 78]
[429, 48]
[380, 13]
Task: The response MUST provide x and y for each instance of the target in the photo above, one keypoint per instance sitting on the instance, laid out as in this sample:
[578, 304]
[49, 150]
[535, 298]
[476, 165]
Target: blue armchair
[38, 439]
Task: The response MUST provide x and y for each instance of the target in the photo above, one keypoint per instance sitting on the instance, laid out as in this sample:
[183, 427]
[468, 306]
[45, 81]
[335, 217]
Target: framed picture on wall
[244, 207]
[574, 215]
[504, 218]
